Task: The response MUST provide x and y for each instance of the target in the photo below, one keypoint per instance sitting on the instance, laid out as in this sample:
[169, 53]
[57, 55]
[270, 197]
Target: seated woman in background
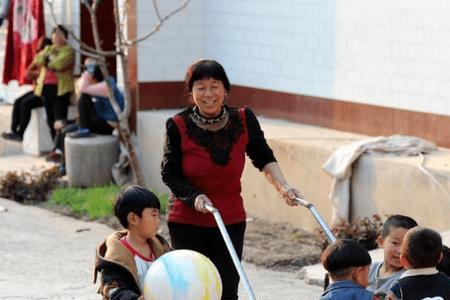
[95, 112]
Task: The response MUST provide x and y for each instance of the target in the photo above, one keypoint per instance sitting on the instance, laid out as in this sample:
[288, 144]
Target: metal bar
[231, 249]
[317, 216]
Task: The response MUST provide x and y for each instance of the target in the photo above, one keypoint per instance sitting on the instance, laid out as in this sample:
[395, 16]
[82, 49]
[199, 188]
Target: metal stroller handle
[317, 216]
[231, 249]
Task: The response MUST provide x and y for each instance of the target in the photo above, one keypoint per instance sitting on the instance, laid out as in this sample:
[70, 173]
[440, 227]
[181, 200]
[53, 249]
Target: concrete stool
[89, 160]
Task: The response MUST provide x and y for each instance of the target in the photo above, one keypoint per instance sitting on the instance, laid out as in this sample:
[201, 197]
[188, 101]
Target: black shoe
[12, 136]
[54, 157]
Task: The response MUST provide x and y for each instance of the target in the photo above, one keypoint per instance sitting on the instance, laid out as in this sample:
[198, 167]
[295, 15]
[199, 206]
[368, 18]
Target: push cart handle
[231, 250]
[318, 218]
[210, 208]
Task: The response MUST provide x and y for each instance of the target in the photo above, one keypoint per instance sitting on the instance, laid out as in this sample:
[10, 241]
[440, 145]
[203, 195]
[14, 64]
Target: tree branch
[156, 8]
[160, 23]
[82, 44]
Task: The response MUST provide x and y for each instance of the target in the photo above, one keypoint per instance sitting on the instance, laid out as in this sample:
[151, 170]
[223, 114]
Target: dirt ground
[276, 246]
[279, 246]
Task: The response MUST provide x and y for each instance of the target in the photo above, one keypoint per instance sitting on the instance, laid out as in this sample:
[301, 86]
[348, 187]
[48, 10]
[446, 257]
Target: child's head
[394, 229]
[421, 248]
[444, 265]
[347, 260]
[138, 210]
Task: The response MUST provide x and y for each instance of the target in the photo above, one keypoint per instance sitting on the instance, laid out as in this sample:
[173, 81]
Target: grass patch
[94, 203]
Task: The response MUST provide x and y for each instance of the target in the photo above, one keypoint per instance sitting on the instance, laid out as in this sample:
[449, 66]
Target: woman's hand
[289, 194]
[199, 203]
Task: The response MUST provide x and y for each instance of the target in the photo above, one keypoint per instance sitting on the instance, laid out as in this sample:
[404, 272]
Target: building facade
[372, 67]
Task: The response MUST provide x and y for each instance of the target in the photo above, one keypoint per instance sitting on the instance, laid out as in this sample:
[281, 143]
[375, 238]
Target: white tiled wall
[165, 55]
[387, 53]
[394, 53]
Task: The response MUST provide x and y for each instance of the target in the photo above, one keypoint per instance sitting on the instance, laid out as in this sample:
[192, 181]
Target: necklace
[208, 121]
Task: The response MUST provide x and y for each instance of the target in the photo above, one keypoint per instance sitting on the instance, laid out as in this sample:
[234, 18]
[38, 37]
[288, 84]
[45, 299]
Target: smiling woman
[204, 157]
[209, 95]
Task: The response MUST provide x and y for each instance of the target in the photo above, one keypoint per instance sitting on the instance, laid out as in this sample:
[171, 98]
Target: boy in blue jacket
[347, 263]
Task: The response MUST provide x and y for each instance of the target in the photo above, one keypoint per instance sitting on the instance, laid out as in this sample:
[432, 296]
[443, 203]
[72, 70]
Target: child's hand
[141, 298]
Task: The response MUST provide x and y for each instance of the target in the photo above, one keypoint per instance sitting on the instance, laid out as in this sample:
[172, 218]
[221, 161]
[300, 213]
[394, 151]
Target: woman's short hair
[339, 257]
[204, 69]
[62, 29]
[422, 247]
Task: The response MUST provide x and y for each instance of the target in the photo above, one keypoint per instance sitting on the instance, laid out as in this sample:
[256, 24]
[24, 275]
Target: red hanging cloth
[25, 27]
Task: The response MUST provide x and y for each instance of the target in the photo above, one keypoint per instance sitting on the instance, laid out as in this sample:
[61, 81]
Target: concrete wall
[393, 54]
[150, 134]
[396, 184]
[386, 185]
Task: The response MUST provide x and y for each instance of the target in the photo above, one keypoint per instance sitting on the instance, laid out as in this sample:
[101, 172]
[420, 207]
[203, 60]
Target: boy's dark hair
[62, 29]
[397, 221]
[134, 199]
[444, 265]
[339, 257]
[204, 69]
[422, 247]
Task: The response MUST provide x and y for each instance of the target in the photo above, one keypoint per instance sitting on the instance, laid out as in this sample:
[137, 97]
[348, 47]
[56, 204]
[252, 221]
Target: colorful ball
[182, 275]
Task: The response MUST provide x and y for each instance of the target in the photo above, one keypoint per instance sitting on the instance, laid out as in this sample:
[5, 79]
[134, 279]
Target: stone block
[386, 185]
[150, 134]
[36, 138]
[89, 160]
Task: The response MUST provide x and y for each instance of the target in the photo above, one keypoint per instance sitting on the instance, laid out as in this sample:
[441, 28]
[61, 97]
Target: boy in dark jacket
[125, 256]
[420, 253]
[382, 275]
[347, 263]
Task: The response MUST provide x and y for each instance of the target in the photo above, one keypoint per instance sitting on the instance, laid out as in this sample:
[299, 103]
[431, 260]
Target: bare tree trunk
[122, 46]
[123, 116]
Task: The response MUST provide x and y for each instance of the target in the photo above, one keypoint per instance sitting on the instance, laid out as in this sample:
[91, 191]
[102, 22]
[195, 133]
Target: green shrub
[364, 231]
[27, 187]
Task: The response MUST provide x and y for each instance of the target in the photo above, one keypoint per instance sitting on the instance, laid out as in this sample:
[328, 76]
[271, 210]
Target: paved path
[49, 256]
